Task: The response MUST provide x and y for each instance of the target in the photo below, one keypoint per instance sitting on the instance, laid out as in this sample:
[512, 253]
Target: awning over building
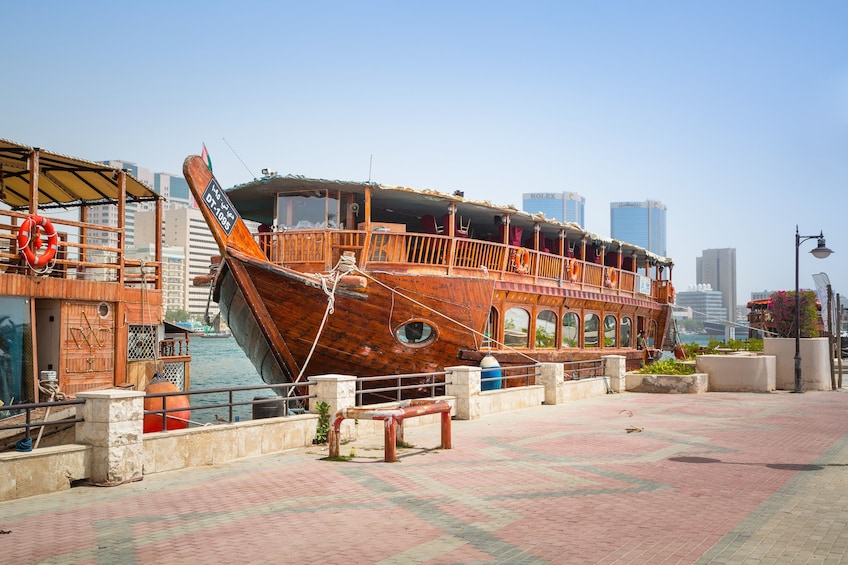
[63, 181]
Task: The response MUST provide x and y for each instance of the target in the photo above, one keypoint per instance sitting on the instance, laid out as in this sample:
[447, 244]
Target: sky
[734, 114]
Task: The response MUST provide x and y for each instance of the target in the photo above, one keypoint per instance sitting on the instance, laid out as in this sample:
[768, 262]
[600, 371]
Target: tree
[177, 315]
[782, 307]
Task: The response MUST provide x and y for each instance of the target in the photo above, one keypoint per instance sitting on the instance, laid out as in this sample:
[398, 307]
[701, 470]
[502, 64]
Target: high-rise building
[704, 303]
[640, 223]
[185, 228]
[717, 268]
[560, 206]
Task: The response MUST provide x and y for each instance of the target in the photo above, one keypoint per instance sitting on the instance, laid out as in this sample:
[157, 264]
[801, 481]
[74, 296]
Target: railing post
[113, 426]
[553, 379]
[465, 386]
[339, 391]
[614, 371]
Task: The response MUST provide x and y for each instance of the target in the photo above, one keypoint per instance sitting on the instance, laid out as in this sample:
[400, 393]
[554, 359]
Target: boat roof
[63, 181]
[255, 200]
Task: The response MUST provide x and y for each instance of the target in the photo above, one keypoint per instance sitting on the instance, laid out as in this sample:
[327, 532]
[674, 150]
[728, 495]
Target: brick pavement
[710, 478]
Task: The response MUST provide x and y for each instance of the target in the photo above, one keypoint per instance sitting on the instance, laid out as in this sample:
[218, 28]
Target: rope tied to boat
[329, 283]
[345, 266]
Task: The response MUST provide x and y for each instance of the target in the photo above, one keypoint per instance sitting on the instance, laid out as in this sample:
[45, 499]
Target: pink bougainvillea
[782, 308]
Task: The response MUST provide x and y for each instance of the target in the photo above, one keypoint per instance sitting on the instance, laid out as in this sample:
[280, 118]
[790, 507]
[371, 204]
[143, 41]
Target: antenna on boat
[370, 161]
[239, 158]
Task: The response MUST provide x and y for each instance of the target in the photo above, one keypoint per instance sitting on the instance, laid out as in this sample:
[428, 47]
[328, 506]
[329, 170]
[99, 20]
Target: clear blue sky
[733, 114]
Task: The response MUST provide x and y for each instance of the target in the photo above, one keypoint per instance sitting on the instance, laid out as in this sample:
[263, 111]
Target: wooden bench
[393, 417]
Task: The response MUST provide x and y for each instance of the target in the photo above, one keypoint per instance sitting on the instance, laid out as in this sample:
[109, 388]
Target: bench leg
[390, 439]
[446, 430]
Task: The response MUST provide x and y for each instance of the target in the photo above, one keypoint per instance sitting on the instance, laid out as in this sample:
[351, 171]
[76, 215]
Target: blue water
[220, 363]
[700, 339]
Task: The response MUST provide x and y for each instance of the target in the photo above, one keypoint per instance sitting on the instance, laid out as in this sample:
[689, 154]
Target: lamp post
[820, 252]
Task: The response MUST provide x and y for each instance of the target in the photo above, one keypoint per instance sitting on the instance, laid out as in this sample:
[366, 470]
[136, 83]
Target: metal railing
[424, 385]
[576, 370]
[510, 376]
[11, 419]
[288, 400]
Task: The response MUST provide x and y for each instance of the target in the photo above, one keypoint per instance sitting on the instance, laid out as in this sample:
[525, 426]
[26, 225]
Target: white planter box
[815, 362]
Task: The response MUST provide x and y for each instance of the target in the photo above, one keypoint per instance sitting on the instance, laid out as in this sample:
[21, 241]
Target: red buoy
[176, 420]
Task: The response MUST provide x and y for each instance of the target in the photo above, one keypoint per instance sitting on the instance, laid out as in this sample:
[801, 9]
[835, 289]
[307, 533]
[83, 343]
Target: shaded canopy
[63, 181]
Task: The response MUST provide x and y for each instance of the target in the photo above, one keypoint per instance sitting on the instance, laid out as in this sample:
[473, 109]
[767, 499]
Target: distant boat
[378, 280]
[216, 331]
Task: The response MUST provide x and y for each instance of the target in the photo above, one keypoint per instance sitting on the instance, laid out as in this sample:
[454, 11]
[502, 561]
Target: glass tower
[640, 223]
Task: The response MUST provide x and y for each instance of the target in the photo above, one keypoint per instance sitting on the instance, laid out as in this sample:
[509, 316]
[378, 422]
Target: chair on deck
[429, 225]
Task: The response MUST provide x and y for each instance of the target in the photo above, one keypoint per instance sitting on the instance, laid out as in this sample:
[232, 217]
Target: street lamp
[820, 252]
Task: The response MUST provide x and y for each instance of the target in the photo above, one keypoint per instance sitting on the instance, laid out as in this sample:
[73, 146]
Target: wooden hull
[358, 338]
[266, 305]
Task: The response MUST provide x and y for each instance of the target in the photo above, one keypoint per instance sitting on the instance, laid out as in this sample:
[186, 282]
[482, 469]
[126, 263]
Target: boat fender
[34, 225]
[176, 420]
[670, 294]
[491, 372]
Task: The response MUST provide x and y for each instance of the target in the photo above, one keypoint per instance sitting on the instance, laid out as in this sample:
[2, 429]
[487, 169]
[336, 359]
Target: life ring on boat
[521, 261]
[573, 270]
[29, 239]
[611, 278]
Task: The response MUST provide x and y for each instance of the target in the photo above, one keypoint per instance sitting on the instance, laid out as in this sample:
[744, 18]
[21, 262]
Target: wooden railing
[84, 252]
[319, 249]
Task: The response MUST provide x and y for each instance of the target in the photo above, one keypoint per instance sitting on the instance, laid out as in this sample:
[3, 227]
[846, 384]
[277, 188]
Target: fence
[111, 449]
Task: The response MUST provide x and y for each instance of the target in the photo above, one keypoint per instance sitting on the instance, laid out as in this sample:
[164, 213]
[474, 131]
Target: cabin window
[313, 209]
[546, 322]
[491, 325]
[624, 338]
[570, 330]
[15, 349]
[415, 333]
[591, 325]
[610, 326]
[516, 327]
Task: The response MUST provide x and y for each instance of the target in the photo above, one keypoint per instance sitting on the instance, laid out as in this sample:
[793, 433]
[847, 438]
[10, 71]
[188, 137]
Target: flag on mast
[205, 156]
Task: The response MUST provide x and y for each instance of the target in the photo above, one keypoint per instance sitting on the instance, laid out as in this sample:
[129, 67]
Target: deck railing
[319, 249]
[85, 251]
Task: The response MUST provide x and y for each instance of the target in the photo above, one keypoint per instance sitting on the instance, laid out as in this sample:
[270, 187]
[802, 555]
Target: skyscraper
[640, 223]
[717, 268]
[560, 206]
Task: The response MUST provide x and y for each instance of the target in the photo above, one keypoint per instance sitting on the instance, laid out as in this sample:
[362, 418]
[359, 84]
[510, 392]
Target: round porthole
[103, 309]
[415, 333]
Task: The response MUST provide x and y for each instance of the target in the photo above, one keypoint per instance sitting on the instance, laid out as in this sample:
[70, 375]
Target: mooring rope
[346, 265]
[445, 316]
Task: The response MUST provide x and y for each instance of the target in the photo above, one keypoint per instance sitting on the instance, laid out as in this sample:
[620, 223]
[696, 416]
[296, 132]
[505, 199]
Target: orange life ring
[521, 261]
[612, 278]
[573, 270]
[29, 237]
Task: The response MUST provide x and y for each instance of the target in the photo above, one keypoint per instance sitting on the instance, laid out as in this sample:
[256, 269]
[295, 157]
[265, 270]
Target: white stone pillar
[465, 386]
[339, 391]
[615, 368]
[553, 379]
[113, 426]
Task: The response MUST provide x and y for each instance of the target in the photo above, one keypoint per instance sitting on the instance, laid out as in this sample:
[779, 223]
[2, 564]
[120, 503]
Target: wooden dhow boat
[363, 279]
[78, 310]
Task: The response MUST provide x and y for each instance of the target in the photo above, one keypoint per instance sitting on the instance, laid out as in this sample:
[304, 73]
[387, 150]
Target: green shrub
[667, 367]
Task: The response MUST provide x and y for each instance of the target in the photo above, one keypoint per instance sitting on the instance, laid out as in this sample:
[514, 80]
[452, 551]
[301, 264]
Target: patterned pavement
[626, 478]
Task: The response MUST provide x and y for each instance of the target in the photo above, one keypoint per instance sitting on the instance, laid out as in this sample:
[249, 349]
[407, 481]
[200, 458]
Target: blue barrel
[490, 376]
